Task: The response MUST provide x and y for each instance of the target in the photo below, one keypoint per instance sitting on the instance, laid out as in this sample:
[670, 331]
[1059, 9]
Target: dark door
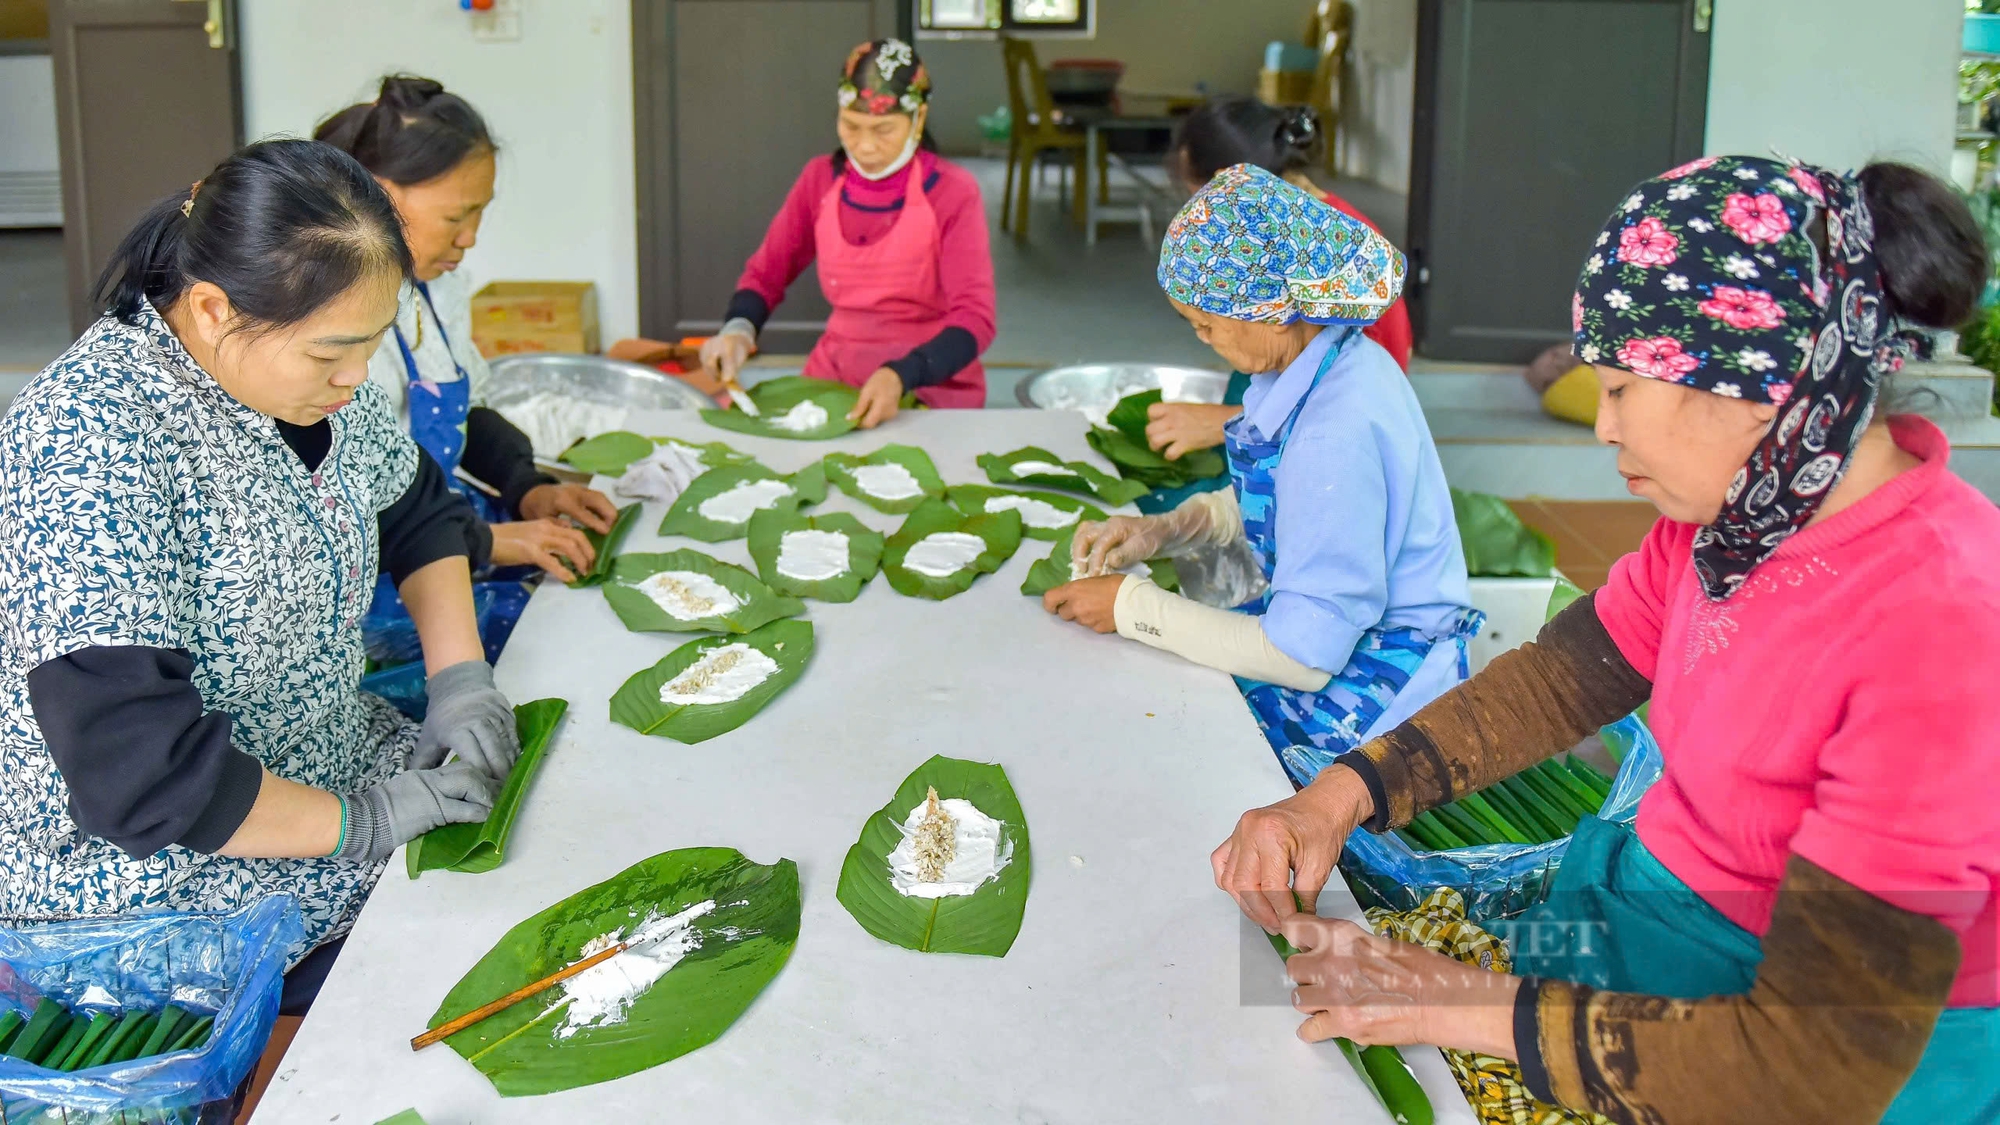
[734, 96]
[147, 101]
[1533, 119]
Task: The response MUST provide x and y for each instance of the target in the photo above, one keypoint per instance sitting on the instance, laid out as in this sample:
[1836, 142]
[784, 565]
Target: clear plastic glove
[469, 717]
[724, 354]
[1106, 546]
[375, 822]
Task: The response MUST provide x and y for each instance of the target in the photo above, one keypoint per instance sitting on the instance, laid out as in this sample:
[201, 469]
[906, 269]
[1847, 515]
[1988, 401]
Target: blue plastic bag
[230, 966]
[1497, 880]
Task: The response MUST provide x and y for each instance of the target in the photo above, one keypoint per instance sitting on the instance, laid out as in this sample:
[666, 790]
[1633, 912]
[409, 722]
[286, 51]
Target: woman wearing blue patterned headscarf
[1338, 493]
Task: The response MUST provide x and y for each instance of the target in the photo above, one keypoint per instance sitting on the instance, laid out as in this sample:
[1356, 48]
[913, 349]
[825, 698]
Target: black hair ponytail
[281, 227]
[1236, 129]
[411, 133]
[1934, 257]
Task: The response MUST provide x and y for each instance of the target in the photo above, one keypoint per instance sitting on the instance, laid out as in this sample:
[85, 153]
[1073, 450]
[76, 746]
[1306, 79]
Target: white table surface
[1122, 999]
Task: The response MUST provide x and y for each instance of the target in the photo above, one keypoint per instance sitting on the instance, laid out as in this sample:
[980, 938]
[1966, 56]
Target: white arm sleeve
[1232, 642]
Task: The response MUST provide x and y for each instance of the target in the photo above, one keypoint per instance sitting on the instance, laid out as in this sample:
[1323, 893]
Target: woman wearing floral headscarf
[1338, 490]
[1800, 926]
[900, 237]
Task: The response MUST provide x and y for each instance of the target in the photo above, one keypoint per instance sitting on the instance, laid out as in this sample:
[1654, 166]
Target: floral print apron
[1308, 729]
[140, 504]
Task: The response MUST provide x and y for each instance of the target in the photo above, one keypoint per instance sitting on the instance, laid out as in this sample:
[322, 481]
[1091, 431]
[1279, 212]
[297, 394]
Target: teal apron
[1616, 919]
[1308, 729]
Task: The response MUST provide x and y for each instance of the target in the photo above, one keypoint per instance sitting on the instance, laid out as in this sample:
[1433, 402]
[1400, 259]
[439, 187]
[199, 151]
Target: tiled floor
[1589, 535]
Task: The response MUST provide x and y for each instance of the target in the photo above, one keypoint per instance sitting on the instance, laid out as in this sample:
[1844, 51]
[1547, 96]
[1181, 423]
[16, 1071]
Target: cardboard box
[1285, 87]
[512, 317]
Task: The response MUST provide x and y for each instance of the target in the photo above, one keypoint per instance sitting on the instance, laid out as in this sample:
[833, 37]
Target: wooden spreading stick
[445, 1031]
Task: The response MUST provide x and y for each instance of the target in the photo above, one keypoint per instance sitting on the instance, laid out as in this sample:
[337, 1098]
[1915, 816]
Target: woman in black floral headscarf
[1801, 924]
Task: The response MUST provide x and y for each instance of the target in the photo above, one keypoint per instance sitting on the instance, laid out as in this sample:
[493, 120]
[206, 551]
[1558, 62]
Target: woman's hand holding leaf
[1291, 846]
[1376, 990]
[1177, 428]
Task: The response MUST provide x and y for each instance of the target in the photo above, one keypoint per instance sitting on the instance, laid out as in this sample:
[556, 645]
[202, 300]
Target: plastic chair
[1038, 128]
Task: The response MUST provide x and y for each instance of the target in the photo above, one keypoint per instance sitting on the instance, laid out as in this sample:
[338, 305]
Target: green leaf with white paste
[1033, 465]
[744, 940]
[606, 545]
[483, 846]
[1001, 533]
[714, 454]
[902, 467]
[757, 604]
[984, 922]
[776, 398]
[720, 521]
[788, 643]
[1056, 570]
[607, 454]
[1037, 520]
[768, 530]
[1139, 463]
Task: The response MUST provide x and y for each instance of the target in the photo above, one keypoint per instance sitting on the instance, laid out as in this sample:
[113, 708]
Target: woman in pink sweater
[1801, 925]
[900, 237]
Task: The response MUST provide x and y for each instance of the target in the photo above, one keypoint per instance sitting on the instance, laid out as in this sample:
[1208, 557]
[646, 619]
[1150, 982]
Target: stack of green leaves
[687, 517]
[1381, 1069]
[1123, 443]
[606, 544]
[775, 399]
[977, 499]
[1542, 803]
[1033, 465]
[1497, 544]
[58, 1039]
[480, 847]
[848, 472]
[757, 604]
[768, 529]
[1057, 570]
[1001, 532]
[744, 940]
[638, 705]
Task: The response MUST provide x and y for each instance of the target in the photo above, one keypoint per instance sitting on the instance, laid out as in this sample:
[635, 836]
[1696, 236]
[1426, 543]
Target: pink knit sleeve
[1633, 604]
[788, 246]
[965, 255]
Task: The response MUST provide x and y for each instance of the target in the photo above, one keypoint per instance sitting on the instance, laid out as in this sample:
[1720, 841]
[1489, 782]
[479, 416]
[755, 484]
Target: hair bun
[408, 91]
[1300, 128]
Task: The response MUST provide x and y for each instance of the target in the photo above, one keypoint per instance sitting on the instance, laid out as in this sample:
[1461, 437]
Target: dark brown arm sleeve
[1844, 1003]
[1529, 704]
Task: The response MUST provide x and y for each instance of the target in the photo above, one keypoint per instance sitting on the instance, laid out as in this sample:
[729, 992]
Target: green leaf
[480, 847]
[407, 1117]
[1564, 593]
[864, 552]
[840, 471]
[1055, 570]
[984, 922]
[714, 454]
[1132, 414]
[1497, 544]
[637, 704]
[807, 486]
[607, 454]
[775, 397]
[641, 614]
[1070, 476]
[977, 500]
[1001, 532]
[606, 545]
[744, 942]
[1139, 463]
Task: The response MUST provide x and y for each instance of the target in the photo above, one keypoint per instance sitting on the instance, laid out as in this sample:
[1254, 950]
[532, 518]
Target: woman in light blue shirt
[1338, 491]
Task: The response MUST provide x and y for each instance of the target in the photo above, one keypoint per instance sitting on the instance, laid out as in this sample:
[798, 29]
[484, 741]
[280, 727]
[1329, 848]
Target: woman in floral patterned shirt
[193, 502]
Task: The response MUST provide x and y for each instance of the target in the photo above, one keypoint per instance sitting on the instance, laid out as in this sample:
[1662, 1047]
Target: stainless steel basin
[1096, 387]
[592, 378]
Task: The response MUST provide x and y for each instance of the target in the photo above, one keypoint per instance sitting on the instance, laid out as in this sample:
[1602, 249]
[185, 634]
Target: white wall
[1835, 82]
[1375, 142]
[559, 101]
[29, 157]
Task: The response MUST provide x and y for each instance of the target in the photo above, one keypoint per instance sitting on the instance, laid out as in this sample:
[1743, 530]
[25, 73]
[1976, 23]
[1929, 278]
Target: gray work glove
[469, 717]
[410, 804]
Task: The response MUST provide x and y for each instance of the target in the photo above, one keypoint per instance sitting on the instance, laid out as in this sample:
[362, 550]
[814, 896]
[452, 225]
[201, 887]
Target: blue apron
[1616, 919]
[1308, 729]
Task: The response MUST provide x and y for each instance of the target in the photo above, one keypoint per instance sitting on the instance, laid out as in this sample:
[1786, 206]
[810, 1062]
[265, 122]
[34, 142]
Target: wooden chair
[1038, 128]
[1333, 23]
